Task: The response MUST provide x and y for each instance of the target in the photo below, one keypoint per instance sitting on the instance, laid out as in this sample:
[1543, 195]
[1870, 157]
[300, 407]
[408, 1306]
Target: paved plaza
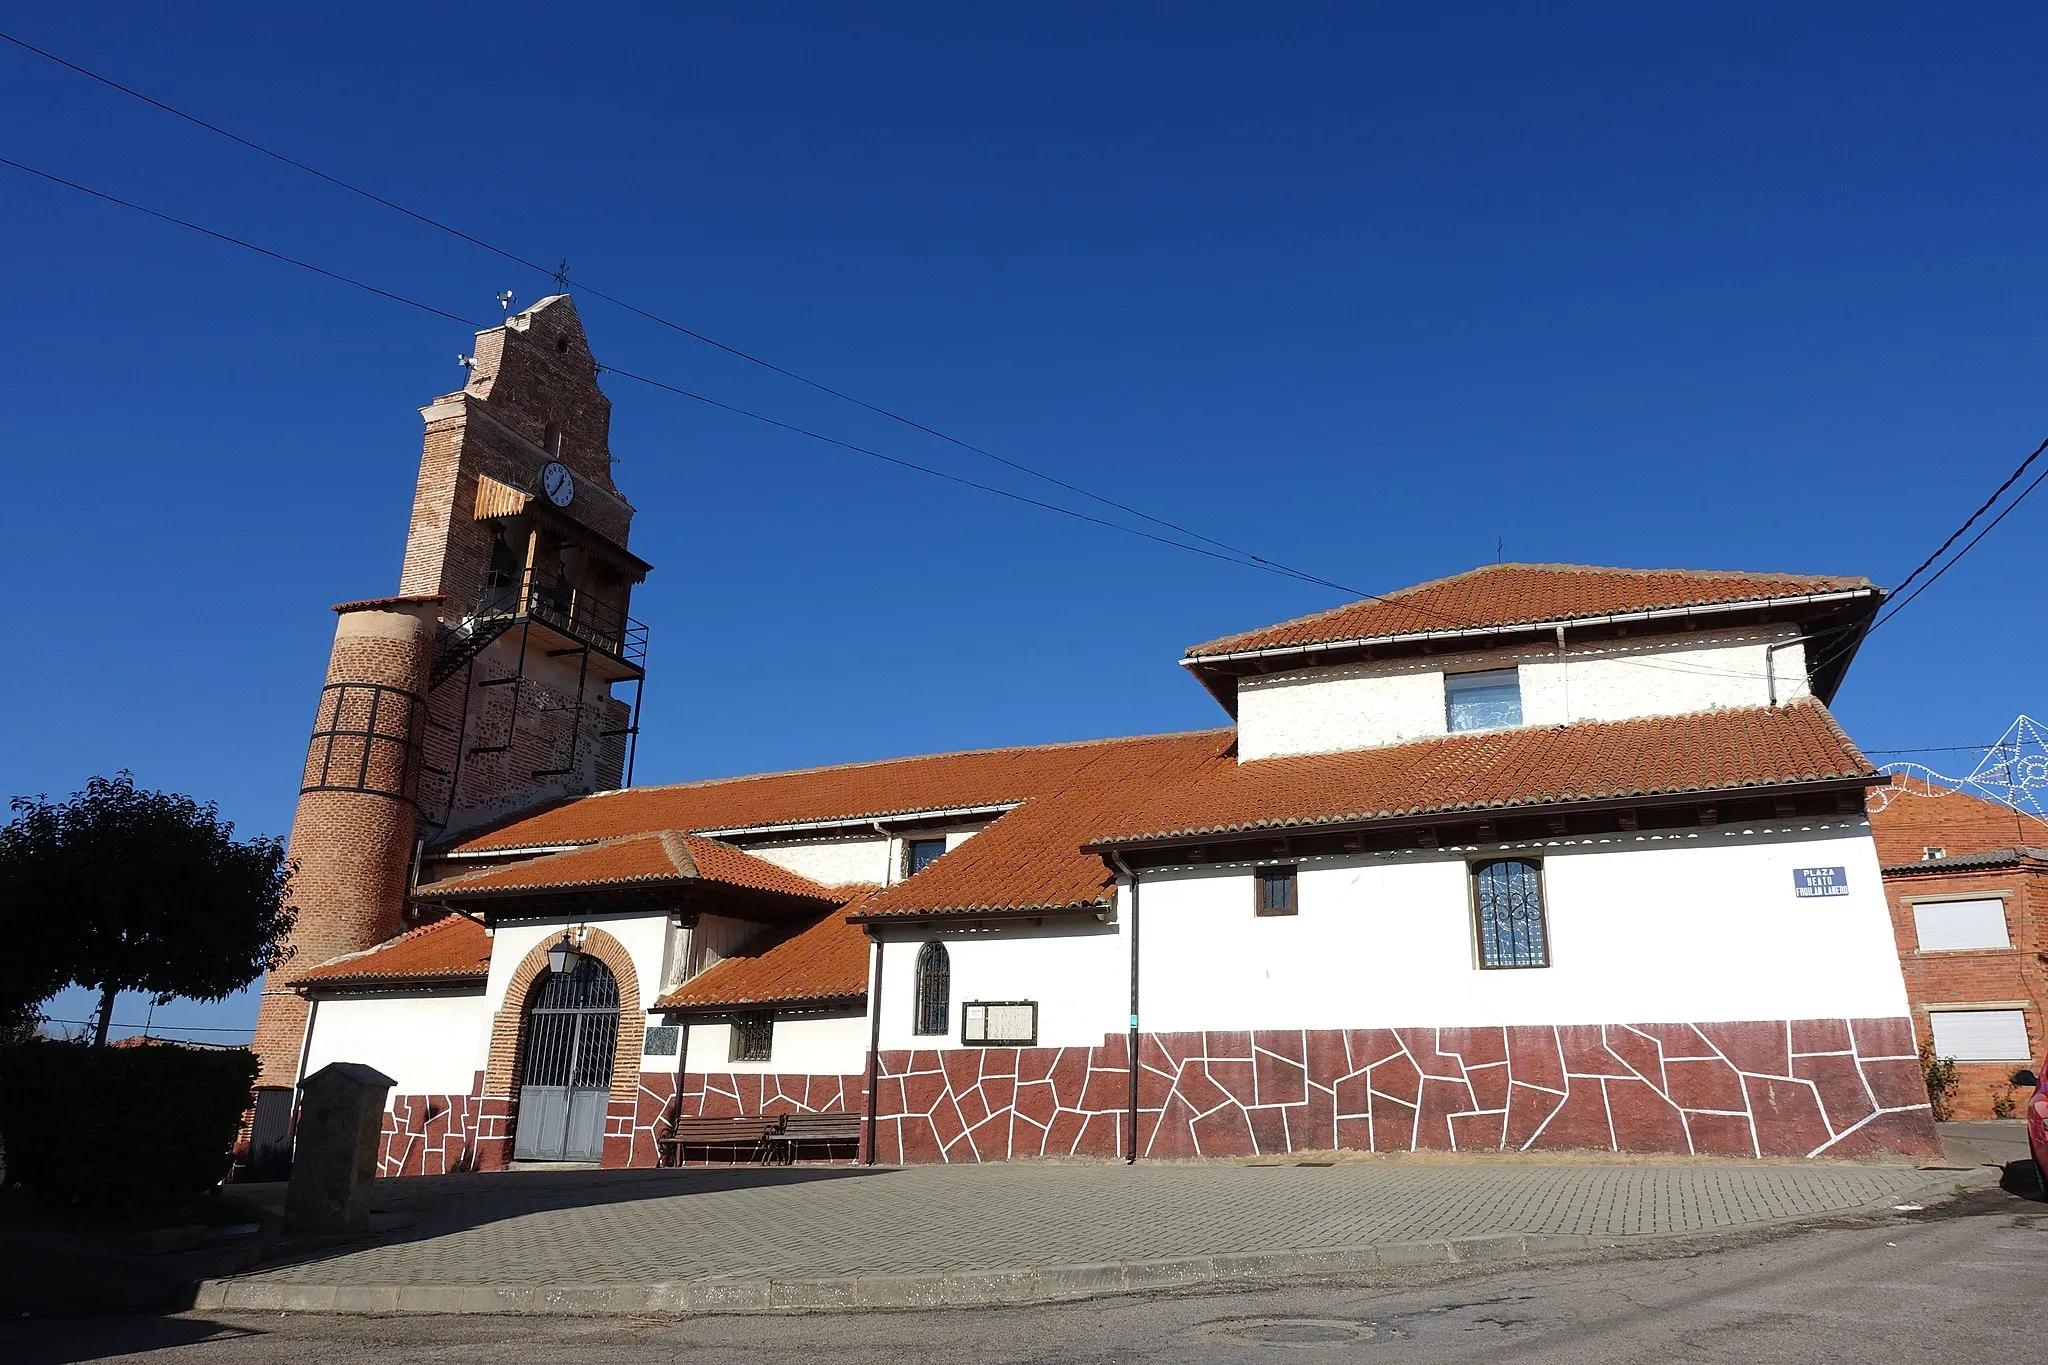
[696, 1239]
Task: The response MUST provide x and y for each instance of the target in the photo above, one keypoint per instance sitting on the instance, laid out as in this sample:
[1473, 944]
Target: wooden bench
[797, 1129]
[748, 1131]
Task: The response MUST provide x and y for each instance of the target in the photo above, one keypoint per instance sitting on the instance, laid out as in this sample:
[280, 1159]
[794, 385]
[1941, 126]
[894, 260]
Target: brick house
[1967, 880]
[1534, 856]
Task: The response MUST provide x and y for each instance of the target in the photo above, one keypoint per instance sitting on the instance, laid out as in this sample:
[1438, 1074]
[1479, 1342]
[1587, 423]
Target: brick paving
[599, 1228]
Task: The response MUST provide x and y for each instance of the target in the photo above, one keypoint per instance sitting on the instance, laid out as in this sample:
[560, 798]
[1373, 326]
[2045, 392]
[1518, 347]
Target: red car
[2037, 1124]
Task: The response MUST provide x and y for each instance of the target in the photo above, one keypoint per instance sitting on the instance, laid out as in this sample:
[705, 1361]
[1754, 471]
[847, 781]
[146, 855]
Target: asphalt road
[1963, 1282]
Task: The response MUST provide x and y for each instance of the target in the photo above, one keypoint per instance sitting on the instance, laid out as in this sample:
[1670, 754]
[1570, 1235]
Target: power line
[1899, 605]
[1248, 560]
[237, 241]
[557, 275]
[1264, 565]
[171, 1028]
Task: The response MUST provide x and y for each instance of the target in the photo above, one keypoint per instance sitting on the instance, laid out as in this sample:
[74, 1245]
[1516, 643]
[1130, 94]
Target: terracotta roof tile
[654, 856]
[1662, 756]
[450, 949]
[1034, 860]
[820, 961]
[851, 792]
[1916, 818]
[1525, 594]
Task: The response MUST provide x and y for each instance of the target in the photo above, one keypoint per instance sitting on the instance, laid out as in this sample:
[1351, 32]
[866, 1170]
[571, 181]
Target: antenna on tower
[505, 300]
[562, 277]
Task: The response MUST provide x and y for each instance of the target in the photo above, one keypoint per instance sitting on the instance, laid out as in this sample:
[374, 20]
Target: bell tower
[495, 679]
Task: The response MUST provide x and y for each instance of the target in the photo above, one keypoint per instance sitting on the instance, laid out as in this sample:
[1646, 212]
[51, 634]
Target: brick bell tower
[487, 685]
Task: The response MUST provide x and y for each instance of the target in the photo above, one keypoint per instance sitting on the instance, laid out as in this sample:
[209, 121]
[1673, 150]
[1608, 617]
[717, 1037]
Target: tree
[121, 889]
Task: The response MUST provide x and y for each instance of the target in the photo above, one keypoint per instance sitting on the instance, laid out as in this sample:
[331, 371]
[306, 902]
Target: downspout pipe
[1131, 1141]
[874, 1045]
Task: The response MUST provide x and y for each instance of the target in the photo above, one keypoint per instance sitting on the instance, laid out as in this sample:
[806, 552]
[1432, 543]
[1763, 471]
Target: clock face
[556, 482]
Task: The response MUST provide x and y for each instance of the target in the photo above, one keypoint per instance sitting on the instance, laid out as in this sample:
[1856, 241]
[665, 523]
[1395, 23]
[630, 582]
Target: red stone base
[431, 1134]
[1811, 1087]
[1820, 1087]
[728, 1093]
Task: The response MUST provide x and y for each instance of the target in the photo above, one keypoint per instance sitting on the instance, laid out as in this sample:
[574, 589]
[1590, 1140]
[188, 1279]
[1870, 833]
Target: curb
[962, 1288]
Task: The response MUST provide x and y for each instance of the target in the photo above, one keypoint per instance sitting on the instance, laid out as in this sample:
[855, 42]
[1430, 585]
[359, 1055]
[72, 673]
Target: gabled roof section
[656, 858]
[820, 962]
[1915, 818]
[852, 792]
[1500, 596]
[450, 951]
[1500, 770]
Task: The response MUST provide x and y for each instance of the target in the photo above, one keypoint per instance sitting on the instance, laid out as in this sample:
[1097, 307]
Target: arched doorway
[571, 1035]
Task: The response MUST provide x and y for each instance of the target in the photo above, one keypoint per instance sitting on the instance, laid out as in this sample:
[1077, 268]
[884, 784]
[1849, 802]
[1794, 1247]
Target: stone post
[341, 1122]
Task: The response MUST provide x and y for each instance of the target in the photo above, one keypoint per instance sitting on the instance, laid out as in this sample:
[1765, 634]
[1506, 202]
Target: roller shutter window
[1981, 1035]
[1950, 926]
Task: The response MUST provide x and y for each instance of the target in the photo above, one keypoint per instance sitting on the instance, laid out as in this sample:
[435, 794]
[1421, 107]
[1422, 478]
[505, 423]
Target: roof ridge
[901, 758]
[1397, 595]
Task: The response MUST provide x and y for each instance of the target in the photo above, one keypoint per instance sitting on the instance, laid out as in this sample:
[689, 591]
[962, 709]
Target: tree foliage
[122, 889]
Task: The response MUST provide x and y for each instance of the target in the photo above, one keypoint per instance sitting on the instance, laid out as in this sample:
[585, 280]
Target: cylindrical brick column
[352, 838]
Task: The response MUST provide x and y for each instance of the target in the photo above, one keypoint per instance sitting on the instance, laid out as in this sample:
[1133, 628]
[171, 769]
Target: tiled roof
[1708, 751]
[852, 792]
[1916, 818]
[821, 961]
[652, 857]
[1502, 595]
[1034, 859]
[1969, 862]
[450, 949]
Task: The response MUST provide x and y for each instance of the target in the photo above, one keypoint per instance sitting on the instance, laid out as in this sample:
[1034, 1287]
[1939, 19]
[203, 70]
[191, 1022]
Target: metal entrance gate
[572, 1032]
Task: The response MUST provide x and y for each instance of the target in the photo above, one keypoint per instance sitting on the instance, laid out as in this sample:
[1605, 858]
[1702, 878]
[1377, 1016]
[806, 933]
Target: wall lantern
[562, 957]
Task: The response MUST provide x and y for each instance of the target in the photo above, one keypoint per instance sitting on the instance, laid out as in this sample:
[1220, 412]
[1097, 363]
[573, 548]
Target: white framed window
[1483, 701]
[1959, 925]
[1981, 1035]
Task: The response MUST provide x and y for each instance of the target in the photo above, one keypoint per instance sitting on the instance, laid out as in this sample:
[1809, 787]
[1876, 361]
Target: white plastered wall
[430, 1042]
[1689, 925]
[871, 860]
[1077, 970]
[1368, 705]
[833, 1043]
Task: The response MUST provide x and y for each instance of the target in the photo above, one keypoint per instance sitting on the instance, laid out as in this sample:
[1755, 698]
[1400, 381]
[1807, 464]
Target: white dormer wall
[1392, 701]
[870, 859]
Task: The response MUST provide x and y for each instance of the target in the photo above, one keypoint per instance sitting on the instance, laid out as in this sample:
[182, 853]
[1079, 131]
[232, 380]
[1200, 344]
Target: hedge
[120, 1129]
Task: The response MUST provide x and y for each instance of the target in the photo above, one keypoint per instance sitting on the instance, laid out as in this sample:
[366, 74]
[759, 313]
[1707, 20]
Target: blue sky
[1372, 290]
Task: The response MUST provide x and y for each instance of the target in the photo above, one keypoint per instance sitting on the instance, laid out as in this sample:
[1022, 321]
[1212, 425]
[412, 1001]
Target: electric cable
[558, 275]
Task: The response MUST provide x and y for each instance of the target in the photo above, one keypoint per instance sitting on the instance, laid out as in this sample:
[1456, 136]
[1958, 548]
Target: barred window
[934, 989]
[753, 1038]
[1507, 899]
[1275, 891]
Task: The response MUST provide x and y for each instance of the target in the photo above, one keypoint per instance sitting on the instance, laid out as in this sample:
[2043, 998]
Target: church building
[1533, 857]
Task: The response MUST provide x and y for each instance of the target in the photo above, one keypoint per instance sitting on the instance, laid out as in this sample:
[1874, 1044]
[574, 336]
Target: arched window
[1507, 899]
[934, 990]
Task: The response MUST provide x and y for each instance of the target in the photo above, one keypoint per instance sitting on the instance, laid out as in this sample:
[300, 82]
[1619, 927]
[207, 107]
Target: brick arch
[501, 1074]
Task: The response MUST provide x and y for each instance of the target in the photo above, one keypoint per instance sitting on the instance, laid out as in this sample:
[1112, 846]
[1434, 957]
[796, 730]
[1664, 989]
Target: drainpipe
[1770, 668]
[1131, 1143]
[874, 1044]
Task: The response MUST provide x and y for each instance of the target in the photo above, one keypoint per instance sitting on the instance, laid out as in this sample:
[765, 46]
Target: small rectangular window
[1507, 903]
[753, 1038]
[1275, 891]
[1955, 926]
[1980, 1035]
[1483, 701]
[999, 1023]
[919, 854]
